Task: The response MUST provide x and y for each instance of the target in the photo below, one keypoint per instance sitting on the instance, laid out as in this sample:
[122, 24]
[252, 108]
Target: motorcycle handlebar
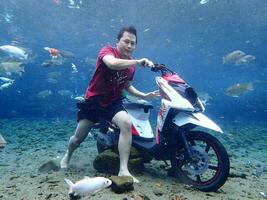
[161, 68]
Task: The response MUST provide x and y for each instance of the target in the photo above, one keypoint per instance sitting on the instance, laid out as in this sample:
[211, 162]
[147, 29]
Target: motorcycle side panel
[140, 120]
[198, 119]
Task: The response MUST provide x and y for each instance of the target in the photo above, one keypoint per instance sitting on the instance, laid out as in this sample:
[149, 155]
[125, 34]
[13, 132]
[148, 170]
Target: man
[114, 72]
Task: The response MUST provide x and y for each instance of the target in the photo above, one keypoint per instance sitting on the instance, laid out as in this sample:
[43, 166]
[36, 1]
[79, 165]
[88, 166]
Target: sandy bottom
[31, 143]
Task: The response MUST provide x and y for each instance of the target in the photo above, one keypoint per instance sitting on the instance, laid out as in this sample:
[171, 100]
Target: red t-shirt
[106, 85]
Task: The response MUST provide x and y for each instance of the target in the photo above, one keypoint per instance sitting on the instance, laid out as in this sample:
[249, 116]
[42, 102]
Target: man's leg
[123, 121]
[81, 132]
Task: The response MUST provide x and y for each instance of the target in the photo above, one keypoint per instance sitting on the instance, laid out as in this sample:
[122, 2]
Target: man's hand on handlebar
[150, 95]
[145, 63]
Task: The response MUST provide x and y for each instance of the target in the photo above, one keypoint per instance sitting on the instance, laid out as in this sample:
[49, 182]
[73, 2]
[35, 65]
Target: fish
[57, 2]
[147, 29]
[263, 194]
[74, 68]
[204, 1]
[204, 97]
[90, 61]
[238, 89]
[87, 185]
[233, 57]
[245, 60]
[52, 80]
[14, 51]
[44, 93]
[79, 99]
[66, 54]
[65, 93]
[53, 62]
[2, 141]
[54, 74]
[11, 67]
[72, 4]
[54, 53]
[6, 80]
[6, 85]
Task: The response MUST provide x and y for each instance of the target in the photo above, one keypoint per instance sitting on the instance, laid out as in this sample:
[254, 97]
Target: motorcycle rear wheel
[209, 169]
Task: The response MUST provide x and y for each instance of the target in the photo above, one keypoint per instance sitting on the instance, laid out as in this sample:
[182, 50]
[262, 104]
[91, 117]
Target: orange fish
[54, 53]
[58, 2]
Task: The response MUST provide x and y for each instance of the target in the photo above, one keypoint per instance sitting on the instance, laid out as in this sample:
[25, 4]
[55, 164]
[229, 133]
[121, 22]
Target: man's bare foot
[135, 180]
[64, 162]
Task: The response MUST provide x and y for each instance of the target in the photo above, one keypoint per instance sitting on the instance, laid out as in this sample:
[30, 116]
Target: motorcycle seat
[131, 105]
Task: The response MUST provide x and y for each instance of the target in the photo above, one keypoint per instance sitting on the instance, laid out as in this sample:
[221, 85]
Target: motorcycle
[196, 157]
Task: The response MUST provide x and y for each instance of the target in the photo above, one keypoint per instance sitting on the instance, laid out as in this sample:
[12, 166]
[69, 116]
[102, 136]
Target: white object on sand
[264, 194]
[88, 185]
[2, 142]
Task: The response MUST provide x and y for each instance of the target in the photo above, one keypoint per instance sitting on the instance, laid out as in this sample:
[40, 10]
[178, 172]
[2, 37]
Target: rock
[109, 161]
[238, 175]
[136, 165]
[2, 142]
[157, 190]
[121, 184]
[49, 166]
[141, 197]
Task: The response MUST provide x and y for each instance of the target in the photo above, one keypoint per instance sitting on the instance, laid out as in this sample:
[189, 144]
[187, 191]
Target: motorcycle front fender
[198, 119]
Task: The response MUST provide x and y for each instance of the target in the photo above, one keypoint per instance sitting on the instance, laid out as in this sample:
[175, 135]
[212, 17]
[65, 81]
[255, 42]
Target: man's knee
[126, 125]
[75, 141]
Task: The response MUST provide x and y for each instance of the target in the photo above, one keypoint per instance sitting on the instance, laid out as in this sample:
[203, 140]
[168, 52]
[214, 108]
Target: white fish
[73, 4]
[147, 29]
[88, 185]
[6, 85]
[2, 141]
[245, 60]
[6, 80]
[204, 1]
[263, 194]
[74, 68]
[79, 99]
[8, 18]
[14, 51]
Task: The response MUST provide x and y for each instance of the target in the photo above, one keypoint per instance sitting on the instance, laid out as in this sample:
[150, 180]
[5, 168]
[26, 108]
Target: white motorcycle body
[186, 114]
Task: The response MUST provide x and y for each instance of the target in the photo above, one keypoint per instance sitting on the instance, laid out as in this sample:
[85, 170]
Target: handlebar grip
[154, 69]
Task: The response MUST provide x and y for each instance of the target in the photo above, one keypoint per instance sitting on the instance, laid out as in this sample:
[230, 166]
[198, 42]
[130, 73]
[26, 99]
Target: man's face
[126, 44]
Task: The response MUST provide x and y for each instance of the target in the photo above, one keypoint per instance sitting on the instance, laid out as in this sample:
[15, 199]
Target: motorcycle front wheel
[209, 167]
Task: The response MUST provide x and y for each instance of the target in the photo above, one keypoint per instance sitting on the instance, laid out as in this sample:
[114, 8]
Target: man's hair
[129, 29]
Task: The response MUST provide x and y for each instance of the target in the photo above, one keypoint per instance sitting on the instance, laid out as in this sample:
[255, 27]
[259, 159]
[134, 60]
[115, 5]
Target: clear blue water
[187, 36]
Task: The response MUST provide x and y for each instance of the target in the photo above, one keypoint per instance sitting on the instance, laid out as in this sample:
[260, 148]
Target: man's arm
[133, 91]
[120, 64]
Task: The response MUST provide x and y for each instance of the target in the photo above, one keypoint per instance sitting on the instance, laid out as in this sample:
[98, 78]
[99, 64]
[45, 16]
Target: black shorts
[94, 112]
